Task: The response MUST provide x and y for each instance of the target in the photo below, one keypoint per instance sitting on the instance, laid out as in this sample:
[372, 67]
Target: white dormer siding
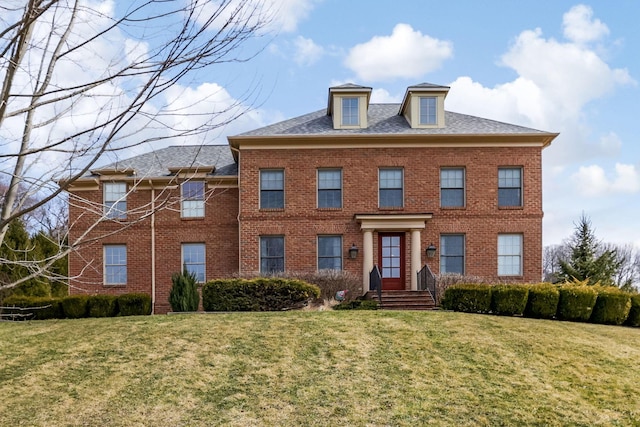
[423, 106]
[348, 105]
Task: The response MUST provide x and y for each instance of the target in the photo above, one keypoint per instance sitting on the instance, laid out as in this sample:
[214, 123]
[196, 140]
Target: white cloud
[306, 51]
[580, 27]
[406, 53]
[382, 96]
[592, 181]
[278, 15]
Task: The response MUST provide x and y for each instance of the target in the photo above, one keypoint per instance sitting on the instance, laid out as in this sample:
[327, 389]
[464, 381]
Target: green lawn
[374, 368]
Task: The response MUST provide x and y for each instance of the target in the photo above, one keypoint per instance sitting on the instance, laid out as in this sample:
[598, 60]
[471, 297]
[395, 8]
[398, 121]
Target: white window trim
[108, 212]
[435, 99]
[318, 250]
[183, 199]
[521, 169]
[284, 251]
[464, 186]
[403, 189]
[521, 255]
[204, 254]
[350, 125]
[318, 187]
[284, 186]
[104, 264]
[464, 251]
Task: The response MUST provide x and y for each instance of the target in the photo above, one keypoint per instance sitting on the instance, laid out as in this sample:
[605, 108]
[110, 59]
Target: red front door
[391, 258]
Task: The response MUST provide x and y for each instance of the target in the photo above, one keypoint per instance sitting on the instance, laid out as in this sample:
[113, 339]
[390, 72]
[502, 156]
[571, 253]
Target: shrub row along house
[349, 187]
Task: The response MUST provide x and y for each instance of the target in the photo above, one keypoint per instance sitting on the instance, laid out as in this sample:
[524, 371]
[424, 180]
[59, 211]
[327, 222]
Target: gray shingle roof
[384, 119]
[158, 162]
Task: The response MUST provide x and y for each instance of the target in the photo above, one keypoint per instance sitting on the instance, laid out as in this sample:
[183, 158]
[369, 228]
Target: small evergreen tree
[184, 294]
[589, 261]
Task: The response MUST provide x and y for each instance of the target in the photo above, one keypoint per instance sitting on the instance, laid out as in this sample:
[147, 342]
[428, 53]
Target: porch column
[415, 258]
[367, 258]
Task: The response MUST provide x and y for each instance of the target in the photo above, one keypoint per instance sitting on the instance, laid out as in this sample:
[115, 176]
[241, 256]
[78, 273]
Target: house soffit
[391, 222]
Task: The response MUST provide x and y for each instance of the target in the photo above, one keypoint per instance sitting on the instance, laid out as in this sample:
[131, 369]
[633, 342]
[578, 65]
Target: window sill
[271, 210]
[191, 218]
[391, 208]
[114, 285]
[453, 208]
[510, 277]
[329, 209]
[510, 208]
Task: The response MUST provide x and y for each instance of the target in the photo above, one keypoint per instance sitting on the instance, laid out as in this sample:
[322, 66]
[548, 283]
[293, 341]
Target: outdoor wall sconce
[431, 251]
[353, 251]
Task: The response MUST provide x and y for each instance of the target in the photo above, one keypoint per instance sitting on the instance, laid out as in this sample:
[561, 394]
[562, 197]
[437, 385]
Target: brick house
[349, 187]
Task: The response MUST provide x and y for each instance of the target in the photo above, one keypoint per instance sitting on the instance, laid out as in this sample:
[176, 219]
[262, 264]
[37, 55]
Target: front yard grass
[374, 368]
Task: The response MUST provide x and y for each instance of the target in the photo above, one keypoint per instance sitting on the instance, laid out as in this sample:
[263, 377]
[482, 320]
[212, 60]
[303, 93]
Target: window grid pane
[390, 191]
[192, 199]
[452, 253]
[115, 202]
[330, 188]
[510, 255]
[272, 189]
[350, 113]
[193, 259]
[271, 254]
[115, 264]
[509, 187]
[452, 187]
[427, 110]
[330, 252]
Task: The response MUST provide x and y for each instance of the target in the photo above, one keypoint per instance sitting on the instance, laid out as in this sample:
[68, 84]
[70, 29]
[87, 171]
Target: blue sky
[559, 66]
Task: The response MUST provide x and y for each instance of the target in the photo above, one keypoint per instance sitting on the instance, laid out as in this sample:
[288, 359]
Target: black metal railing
[427, 282]
[375, 282]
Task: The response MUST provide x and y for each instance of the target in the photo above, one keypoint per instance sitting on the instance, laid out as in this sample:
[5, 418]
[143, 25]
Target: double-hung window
[330, 252]
[390, 188]
[510, 187]
[115, 200]
[272, 189]
[193, 259]
[452, 253]
[452, 187]
[115, 264]
[271, 254]
[510, 255]
[350, 111]
[428, 108]
[192, 199]
[329, 188]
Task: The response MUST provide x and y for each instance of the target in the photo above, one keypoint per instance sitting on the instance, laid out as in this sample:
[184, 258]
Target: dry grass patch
[318, 368]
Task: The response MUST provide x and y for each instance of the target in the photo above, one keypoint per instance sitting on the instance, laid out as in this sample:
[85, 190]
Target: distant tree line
[584, 257]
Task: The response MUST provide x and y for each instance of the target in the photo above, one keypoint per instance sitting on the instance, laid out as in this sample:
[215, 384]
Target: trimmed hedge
[134, 304]
[576, 302]
[52, 308]
[103, 306]
[612, 306]
[633, 319]
[468, 298]
[542, 302]
[509, 300]
[75, 307]
[261, 294]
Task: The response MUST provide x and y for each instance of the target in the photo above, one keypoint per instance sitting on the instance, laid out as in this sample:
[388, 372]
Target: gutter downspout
[238, 217]
[153, 247]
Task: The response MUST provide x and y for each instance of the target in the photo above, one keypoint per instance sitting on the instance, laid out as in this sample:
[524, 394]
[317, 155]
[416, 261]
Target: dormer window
[350, 111]
[348, 105]
[423, 106]
[428, 110]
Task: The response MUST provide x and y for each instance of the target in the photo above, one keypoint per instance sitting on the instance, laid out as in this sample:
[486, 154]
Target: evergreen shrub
[542, 301]
[612, 306]
[103, 306]
[468, 298]
[134, 304]
[43, 308]
[75, 306]
[633, 319]
[509, 300]
[184, 294]
[576, 302]
[260, 294]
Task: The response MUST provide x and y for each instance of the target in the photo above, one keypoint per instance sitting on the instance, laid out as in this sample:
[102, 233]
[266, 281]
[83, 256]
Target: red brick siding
[481, 220]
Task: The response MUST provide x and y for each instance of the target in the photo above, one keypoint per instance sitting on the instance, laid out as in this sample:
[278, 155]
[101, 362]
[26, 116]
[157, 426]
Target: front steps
[404, 300]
